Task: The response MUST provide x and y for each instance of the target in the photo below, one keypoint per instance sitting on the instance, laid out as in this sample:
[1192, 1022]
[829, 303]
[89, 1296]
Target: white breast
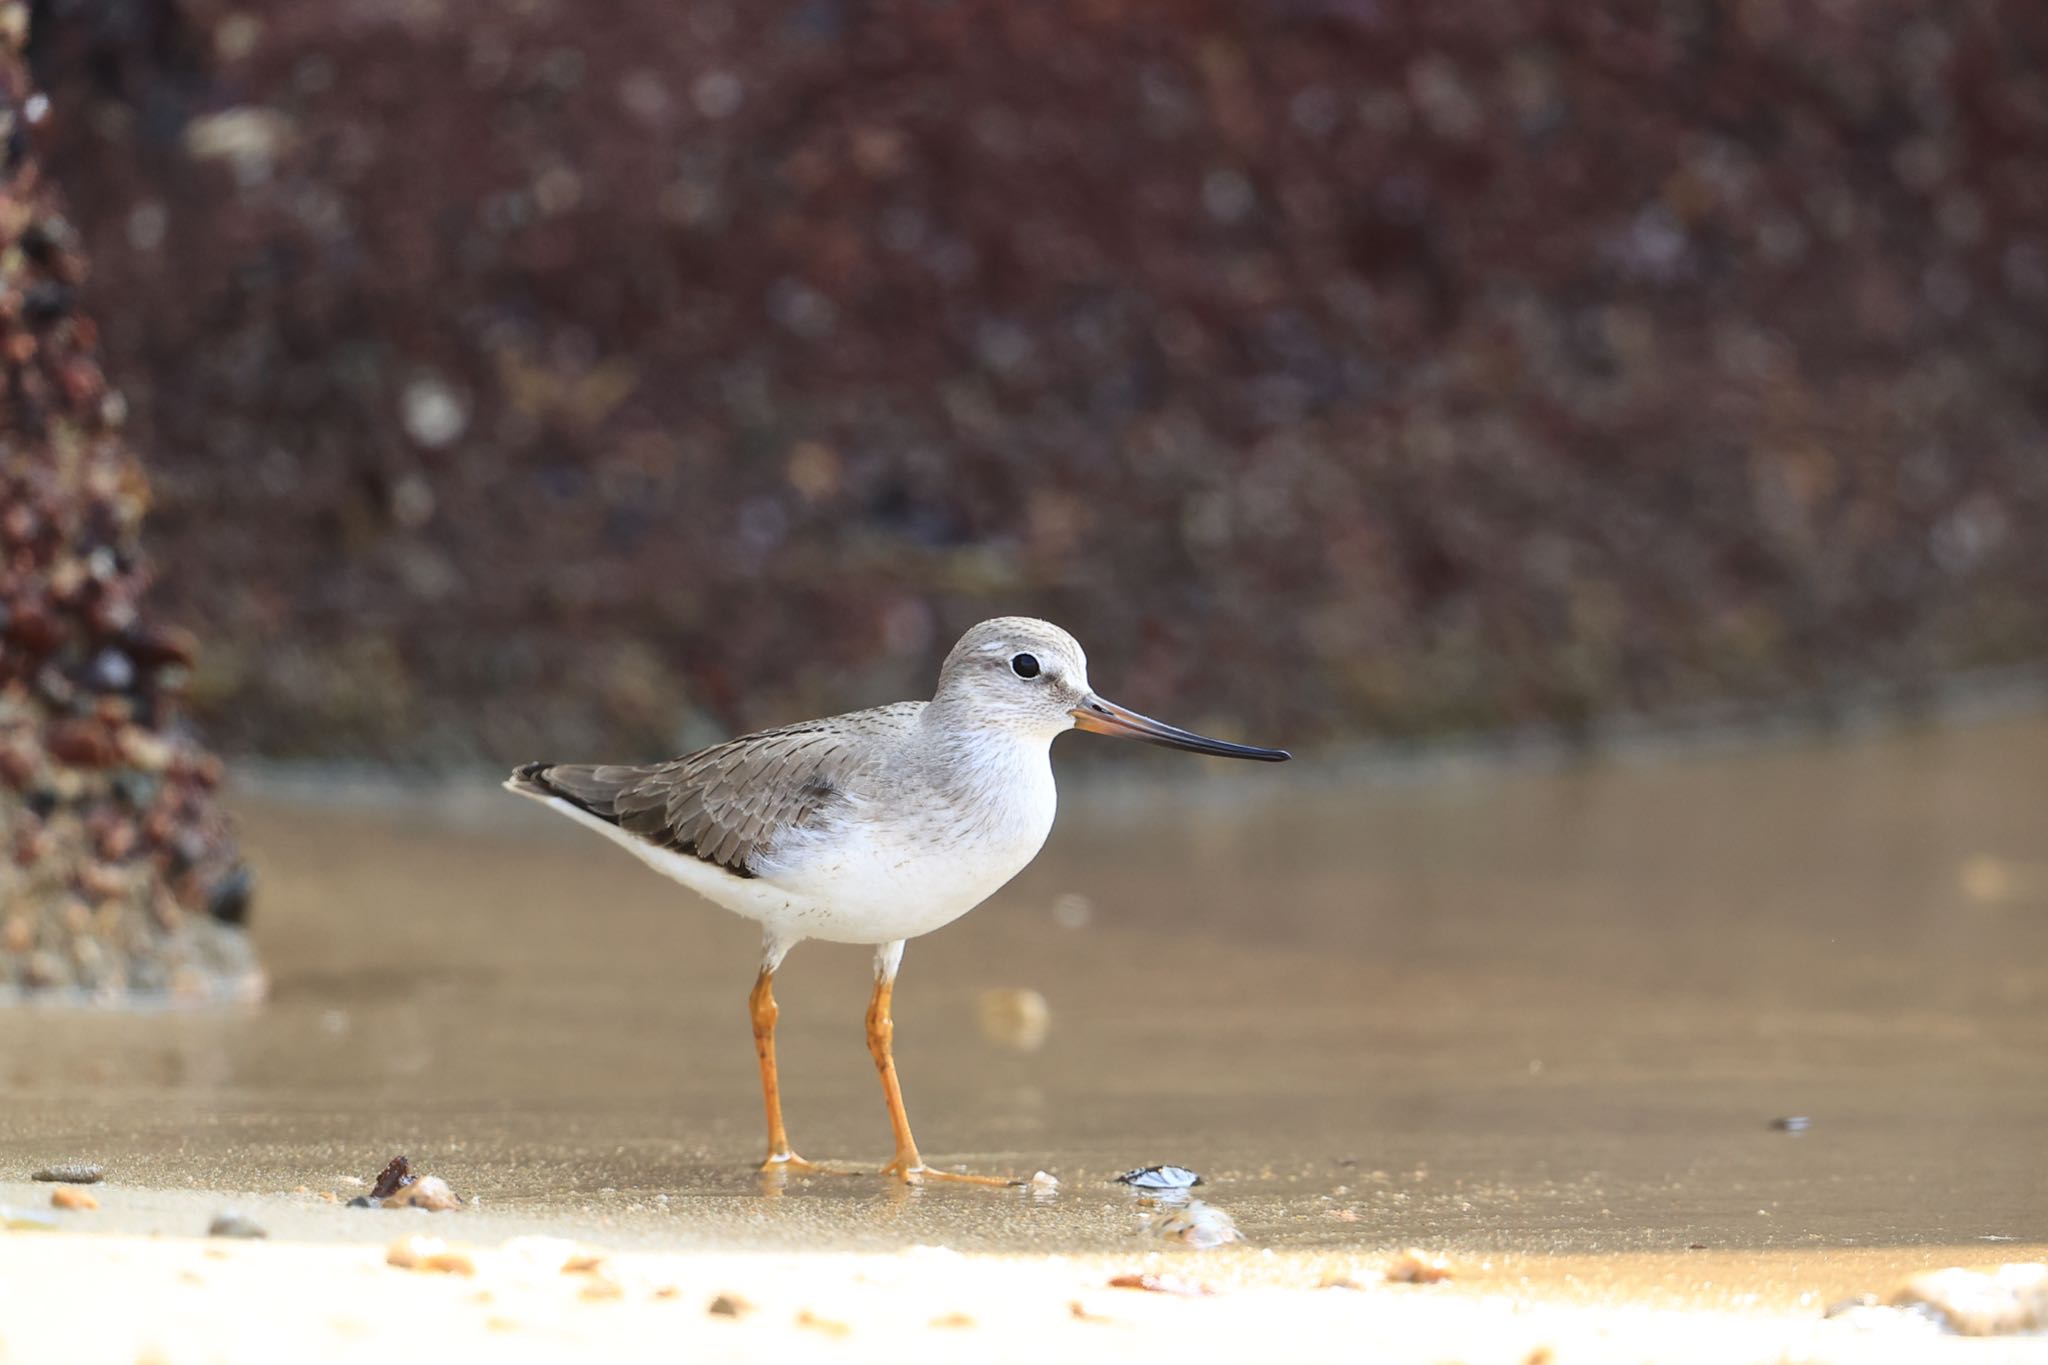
[903, 867]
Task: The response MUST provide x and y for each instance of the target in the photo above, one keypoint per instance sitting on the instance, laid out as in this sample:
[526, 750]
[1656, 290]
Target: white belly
[868, 888]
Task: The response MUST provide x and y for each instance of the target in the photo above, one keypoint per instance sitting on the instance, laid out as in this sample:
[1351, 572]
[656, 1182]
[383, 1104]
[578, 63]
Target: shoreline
[1721, 730]
[532, 1286]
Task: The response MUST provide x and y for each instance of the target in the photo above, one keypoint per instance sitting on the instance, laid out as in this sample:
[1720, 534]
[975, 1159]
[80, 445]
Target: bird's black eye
[1024, 665]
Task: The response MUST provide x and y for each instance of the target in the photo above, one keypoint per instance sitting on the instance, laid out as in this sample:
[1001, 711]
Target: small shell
[1160, 1178]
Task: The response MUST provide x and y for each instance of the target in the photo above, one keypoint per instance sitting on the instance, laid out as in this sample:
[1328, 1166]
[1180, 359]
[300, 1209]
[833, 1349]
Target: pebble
[428, 1192]
[729, 1306]
[72, 1173]
[71, 1197]
[831, 1327]
[396, 1187]
[1415, 1266]
[233, 1224]
[419, 1252]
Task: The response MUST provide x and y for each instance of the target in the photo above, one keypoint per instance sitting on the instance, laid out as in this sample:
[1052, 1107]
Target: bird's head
[1030, 676]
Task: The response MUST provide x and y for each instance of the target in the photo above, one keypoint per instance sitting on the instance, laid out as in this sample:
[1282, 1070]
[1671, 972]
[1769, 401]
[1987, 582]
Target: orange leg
[908, 1166]
[761, 1003]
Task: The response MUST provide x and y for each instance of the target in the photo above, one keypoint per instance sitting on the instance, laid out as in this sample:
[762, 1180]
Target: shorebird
[872, 827]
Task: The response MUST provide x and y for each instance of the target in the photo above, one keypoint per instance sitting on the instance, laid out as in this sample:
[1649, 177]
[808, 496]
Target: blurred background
[527, 378]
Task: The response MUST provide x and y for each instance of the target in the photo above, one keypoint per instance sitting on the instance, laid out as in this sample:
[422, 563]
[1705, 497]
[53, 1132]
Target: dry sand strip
[84, 1297]
[119, 1278]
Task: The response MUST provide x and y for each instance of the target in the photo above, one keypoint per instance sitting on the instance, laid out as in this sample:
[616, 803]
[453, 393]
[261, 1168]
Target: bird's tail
[530, 779]
[592, 787]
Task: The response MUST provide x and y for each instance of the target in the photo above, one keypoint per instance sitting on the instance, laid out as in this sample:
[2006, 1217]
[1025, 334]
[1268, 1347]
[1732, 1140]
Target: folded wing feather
[733, 804]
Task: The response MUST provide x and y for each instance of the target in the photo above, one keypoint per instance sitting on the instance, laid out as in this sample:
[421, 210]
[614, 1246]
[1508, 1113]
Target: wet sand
[1538, 1021]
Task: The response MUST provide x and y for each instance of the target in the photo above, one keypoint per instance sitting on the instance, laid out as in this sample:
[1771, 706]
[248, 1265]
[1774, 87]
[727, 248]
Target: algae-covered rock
[120, 877]
[610, 378]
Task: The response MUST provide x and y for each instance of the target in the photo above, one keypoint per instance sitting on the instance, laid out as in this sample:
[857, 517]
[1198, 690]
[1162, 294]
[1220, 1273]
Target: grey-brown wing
[732, 804]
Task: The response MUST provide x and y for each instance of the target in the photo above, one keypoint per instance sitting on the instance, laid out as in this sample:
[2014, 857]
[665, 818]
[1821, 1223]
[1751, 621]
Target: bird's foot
[911, 1170]
[788, 1161]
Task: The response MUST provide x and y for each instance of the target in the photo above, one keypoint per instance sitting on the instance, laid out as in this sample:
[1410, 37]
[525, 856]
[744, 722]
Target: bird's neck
[978, 759]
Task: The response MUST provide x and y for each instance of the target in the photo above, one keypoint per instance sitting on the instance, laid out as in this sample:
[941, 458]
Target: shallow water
[1508, 1012]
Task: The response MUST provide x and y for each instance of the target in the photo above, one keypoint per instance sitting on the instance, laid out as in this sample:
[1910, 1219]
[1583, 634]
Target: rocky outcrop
[118, 876]
[558, 378]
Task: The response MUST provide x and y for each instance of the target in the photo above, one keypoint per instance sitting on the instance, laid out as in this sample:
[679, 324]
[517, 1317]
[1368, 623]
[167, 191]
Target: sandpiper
[871, 827]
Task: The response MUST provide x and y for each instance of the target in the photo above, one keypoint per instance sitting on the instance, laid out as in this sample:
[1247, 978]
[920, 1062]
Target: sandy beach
[1505, 1031]
[121, 1284]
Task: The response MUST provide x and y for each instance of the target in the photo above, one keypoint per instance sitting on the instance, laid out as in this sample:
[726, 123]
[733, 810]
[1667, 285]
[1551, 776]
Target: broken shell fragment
[419, 1252]
[1162, 1284]
[428, 1192]
[1415, 1266]
[1194, 1224]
